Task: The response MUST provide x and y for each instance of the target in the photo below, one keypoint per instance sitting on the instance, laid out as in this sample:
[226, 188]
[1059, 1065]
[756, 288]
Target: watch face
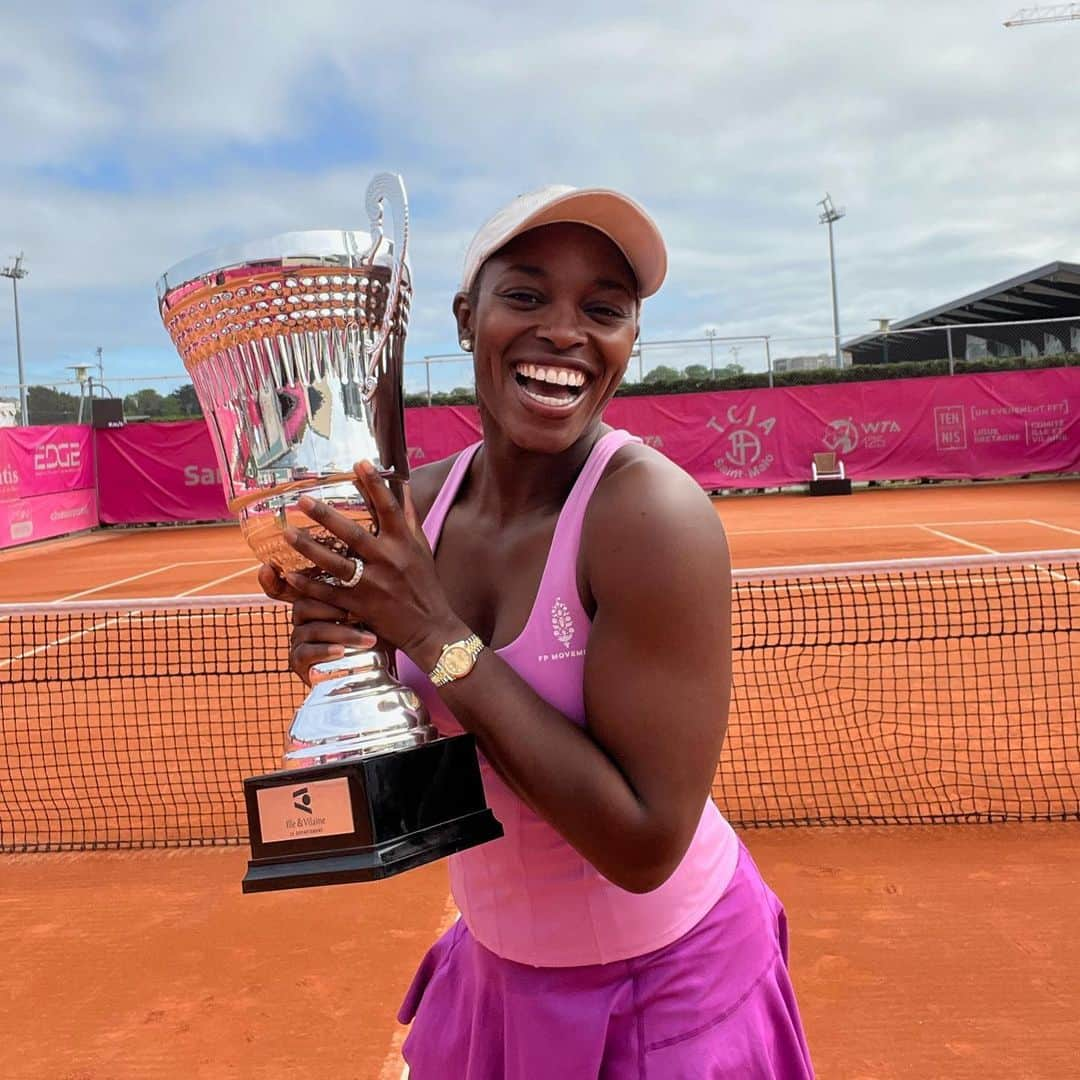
[457, 661]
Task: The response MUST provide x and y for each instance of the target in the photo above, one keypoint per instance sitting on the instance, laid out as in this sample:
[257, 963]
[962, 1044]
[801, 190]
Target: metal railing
[709, 356]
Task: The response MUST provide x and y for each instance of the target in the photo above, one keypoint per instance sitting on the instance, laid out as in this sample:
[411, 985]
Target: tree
[696, 371]
[661, 374]
[183, 401]
[48, 406]
[144, 402]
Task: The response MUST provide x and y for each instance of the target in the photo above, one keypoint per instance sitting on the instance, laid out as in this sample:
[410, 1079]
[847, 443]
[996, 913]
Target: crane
[1045, 14]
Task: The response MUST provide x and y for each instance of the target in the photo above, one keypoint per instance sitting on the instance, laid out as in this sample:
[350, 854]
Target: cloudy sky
[134, 135]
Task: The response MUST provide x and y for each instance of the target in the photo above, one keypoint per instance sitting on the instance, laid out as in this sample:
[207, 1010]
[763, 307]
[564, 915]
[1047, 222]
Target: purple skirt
[717, 1003]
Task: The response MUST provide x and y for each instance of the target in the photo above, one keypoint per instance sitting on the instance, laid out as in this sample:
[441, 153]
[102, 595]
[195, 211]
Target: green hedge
[751, 380]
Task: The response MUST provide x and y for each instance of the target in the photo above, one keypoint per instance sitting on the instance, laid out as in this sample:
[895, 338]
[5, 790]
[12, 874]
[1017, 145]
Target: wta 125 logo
[745, 432]
[845, 435]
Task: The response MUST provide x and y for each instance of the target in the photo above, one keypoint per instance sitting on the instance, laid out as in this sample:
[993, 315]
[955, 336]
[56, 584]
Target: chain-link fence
[712, 357]
[688, 363]
[960, 344]
[68, 401]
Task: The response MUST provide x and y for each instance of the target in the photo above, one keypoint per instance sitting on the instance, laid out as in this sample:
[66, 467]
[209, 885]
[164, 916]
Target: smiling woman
[567, 600]
[552, 317]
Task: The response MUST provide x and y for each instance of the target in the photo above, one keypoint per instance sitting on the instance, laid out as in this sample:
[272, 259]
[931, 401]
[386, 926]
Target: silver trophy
[295, 347]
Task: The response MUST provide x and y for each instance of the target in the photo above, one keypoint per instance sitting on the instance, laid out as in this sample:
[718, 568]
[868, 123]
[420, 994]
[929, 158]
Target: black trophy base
[831, 485]
[366, 818]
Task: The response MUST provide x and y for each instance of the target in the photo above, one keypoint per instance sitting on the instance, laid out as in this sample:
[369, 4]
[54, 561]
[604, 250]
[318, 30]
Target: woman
[581, 583]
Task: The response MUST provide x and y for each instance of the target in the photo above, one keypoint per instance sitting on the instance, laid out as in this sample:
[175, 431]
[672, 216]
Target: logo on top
[745, 431]
[841, 435]
[9, 478]
[302, 800]
[54, 456]
[845, 435]
[562, 623]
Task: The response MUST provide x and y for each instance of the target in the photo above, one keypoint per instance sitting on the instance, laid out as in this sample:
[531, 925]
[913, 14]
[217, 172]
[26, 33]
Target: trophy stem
[356, 708]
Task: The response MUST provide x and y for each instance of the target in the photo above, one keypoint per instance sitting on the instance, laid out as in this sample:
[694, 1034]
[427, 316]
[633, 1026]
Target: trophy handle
[386, 188]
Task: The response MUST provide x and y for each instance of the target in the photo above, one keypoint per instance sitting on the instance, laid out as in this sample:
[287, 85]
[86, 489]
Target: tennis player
[575, 616]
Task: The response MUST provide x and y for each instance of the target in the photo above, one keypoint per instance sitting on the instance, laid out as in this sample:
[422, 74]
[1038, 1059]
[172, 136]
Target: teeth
[554, 375]
[545, 400]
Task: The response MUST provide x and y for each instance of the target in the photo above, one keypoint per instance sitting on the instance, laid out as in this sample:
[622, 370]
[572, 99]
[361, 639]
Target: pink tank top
[529, 896]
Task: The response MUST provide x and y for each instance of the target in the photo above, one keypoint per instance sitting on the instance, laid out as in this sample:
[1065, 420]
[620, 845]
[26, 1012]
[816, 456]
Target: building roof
[1048, 292]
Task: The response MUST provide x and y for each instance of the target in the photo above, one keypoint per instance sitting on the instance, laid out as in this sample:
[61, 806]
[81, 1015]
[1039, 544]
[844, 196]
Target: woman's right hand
[321, 631]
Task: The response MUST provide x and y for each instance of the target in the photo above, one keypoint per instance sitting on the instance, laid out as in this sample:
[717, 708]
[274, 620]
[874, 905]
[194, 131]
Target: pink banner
[46, 483]
[966, 426]
[44, 460]
[973, 426]
[158, 473]
[436, 432]
[42, 517]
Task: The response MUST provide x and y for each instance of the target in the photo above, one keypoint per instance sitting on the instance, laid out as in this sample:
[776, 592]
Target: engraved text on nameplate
[298, 811]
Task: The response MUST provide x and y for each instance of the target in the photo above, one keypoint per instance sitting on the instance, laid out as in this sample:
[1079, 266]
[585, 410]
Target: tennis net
[910, 692]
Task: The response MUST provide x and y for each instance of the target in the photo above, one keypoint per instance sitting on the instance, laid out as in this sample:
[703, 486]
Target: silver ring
[358, 573]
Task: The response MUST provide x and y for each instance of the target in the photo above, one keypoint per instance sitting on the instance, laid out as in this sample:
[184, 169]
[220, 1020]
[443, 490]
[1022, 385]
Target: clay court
[917, 950]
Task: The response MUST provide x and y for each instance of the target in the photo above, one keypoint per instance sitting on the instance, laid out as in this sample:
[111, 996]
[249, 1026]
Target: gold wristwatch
[456, 660]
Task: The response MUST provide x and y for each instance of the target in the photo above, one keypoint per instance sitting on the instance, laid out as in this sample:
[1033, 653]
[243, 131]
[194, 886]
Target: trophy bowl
[295, 347]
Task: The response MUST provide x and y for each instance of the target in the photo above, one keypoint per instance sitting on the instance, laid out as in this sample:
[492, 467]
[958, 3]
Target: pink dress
[553, 970]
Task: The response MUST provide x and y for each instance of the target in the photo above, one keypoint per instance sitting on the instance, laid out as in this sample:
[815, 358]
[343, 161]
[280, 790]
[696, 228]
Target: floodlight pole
[829, 214]
[883, 325]
[16, 272]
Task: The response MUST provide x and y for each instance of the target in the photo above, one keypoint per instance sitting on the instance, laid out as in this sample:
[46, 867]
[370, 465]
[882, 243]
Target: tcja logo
[744, 451]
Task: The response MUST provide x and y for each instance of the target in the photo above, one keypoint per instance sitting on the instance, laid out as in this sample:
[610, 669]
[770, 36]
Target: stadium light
[828, 215]
[883, 325]
[81, 378]
[16, 271]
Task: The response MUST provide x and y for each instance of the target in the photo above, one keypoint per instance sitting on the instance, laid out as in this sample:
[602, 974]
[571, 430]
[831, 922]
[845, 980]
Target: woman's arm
[627, 790]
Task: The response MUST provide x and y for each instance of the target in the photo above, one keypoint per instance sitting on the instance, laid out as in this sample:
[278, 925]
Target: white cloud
[947, 137]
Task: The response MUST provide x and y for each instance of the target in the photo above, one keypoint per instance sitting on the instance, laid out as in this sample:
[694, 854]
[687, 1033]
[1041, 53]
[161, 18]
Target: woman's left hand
[398, 596]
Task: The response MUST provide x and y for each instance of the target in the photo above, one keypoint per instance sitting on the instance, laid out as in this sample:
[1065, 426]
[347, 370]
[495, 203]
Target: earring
[466, 344]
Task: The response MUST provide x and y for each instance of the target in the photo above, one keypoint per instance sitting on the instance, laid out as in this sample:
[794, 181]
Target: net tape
[915, 692]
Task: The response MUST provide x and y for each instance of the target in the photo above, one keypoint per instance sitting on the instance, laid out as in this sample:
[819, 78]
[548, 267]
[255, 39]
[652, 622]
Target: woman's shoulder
[644, 492]
[426, 482]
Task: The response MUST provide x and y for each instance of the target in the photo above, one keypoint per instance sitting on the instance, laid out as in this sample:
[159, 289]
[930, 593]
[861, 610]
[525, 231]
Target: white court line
[1047, 525]
[119, 581]
[58, 641]
[218, 581]
[993, 551]
[131, 611]
[958, 540]
[144, 574]
[393, 1063]
[890, 525]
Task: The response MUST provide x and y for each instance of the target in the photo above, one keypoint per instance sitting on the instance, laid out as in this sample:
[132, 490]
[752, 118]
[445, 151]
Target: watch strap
[441, 673]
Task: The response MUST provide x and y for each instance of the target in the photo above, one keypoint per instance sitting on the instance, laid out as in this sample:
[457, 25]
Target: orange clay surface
[932, 952]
